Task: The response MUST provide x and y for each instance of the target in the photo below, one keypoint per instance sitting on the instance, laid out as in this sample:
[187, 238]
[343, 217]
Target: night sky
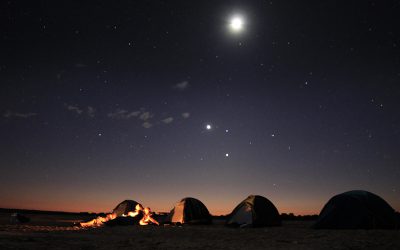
[158, 100]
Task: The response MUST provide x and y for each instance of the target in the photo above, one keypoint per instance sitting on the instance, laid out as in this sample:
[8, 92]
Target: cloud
[123, 114]
[90, 111]
[181, 85]
[147, 125]
[10, 114]
[145, 116]
[186, 115]
[132, 114]
[142, 115]
[75, 109]
[168, 120]
[80, 65]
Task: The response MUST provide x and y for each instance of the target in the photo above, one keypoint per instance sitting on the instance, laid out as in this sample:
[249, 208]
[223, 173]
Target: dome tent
[356, 210]
[256, 211]
[125, 207]
[189, 211]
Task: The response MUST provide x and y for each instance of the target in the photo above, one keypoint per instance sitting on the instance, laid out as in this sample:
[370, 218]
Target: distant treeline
[291, 216]
[284, 216]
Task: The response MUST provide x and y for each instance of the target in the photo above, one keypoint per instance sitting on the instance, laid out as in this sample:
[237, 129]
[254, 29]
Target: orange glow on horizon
[215, 208]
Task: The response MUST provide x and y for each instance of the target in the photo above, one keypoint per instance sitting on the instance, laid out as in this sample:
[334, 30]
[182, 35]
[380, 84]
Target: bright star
[208, 127]
[226, 155]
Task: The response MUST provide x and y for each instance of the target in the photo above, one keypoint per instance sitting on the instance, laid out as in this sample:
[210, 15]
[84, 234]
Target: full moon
[208, 126]
[236, 24]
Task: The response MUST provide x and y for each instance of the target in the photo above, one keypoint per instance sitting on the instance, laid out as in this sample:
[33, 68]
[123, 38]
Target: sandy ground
[51, 232]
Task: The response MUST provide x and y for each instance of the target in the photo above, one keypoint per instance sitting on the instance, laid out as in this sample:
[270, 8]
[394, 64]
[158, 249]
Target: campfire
[143, 216]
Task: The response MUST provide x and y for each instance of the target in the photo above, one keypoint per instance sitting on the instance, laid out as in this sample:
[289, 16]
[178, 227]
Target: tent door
[243, 216]
[178, 213]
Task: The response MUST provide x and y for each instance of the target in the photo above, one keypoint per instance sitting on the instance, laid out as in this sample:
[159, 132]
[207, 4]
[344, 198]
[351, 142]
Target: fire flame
[146, 219]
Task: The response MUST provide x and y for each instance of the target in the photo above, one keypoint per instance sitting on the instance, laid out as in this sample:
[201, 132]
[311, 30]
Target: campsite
[230, 124]
[254, 223]
[291, 235]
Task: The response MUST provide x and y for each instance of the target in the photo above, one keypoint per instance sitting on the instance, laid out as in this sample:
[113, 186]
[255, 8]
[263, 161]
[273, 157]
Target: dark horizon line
[36, 211]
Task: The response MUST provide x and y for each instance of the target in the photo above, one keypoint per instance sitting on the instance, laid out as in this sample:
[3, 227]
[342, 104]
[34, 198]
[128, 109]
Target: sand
[58, 233]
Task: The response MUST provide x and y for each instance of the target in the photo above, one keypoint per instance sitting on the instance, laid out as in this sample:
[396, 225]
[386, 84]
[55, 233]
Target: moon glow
[236, 24]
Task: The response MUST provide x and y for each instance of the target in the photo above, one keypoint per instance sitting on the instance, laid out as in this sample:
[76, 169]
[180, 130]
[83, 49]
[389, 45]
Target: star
[226, 155]
[208, 127]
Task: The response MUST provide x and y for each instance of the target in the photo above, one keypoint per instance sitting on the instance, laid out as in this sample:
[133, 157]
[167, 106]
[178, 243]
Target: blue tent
[356, 210]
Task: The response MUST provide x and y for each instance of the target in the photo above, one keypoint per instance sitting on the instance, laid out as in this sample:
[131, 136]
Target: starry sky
[158, 100]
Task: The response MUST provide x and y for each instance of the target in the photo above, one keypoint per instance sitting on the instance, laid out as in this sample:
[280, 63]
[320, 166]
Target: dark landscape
[57, 231]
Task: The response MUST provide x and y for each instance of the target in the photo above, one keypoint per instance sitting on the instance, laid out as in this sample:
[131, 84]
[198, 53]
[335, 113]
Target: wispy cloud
[146, 116]
[181, 85]
[80, 65]
[76, 109]
[10, 114]
[90, 111]
[123, 114]
[186, 115]
[147, 125]
[168, 120]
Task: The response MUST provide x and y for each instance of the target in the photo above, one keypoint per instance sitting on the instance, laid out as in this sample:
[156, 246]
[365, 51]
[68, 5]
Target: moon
[236, 24]
[208, 126]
